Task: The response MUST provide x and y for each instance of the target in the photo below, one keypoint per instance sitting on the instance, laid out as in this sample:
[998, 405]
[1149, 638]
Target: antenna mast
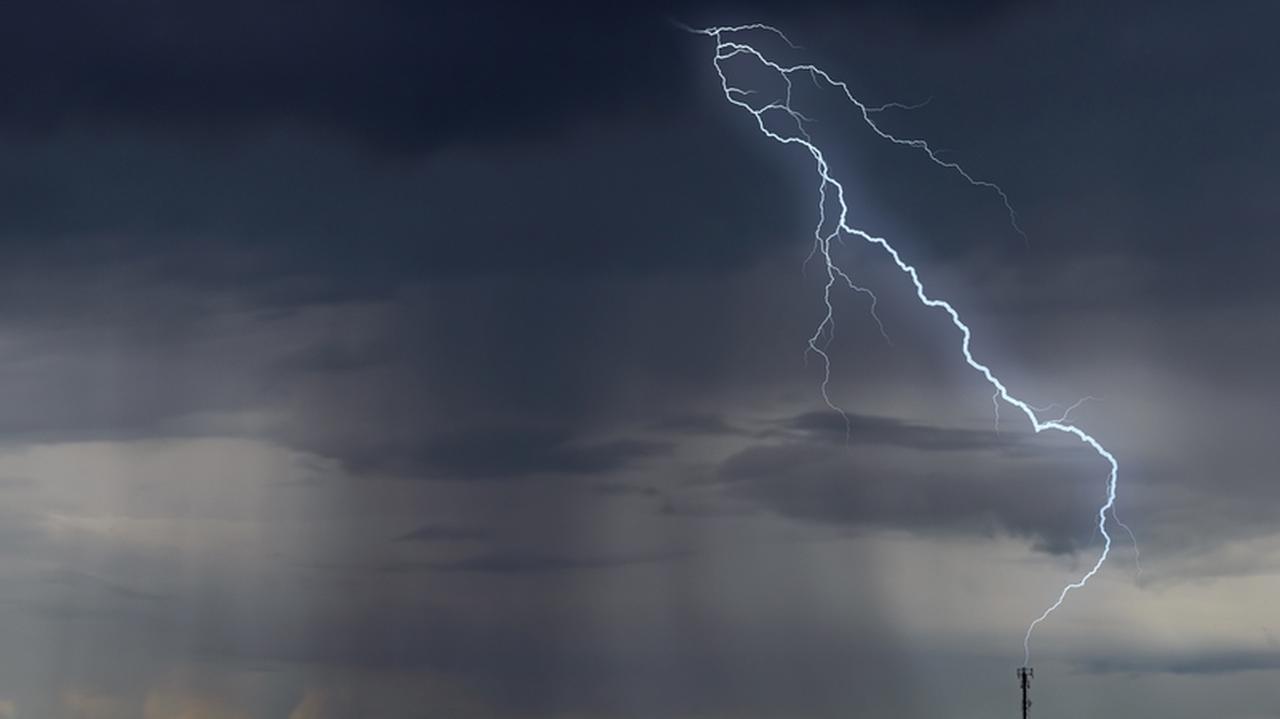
[1024, 679]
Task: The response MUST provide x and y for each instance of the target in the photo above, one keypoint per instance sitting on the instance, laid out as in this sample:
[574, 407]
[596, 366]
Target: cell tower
[1024, 679]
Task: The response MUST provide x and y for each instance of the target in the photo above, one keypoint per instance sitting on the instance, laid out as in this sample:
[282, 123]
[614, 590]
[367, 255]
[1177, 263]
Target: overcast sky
[400, 359]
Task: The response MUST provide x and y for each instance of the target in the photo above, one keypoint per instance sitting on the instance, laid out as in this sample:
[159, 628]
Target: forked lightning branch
[778, 119]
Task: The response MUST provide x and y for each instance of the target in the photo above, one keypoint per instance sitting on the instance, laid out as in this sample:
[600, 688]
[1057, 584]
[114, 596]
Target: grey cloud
[1200, 663]
[506, 453]
[443, 533]
[696, 423]
[526, 563]
[83, 583]
[623, 489]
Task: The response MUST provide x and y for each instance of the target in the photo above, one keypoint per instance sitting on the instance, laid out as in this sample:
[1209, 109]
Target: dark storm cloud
[890, 431]
[291, 218]
[979, 494]
[391, 72]
[278, 195]
[269, 221]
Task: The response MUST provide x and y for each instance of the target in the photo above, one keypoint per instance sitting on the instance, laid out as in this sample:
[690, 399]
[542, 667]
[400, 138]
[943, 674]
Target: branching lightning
[733, 42]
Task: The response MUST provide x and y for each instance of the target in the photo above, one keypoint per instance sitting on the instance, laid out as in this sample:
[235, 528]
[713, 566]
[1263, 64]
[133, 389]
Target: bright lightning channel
[732, 42]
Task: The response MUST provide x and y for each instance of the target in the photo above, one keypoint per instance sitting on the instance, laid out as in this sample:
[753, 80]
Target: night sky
[383, 360]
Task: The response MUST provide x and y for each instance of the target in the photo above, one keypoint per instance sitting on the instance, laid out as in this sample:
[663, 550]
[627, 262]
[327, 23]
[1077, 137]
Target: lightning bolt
[733, 42]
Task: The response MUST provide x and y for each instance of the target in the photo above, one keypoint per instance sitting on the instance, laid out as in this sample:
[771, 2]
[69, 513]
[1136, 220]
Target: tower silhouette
[1024, 679]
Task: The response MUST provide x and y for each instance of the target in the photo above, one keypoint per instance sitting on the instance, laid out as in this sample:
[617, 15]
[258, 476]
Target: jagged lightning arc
[732, 42]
